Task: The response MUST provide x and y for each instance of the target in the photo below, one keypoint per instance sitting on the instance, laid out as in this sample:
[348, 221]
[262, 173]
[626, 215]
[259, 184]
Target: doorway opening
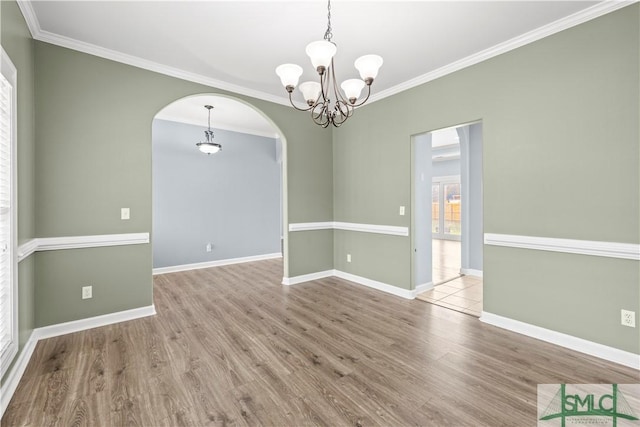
[447, 221]
[222, 208]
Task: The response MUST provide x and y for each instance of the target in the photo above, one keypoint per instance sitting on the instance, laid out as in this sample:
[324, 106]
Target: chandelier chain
[328, 34]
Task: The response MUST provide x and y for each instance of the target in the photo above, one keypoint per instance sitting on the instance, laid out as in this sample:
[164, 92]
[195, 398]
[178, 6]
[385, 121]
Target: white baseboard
[471, 272]
[288, 281]
[218, 263]
[93, 322]
[422, 288]
[611, 354]
[390, 289]
[15, 374]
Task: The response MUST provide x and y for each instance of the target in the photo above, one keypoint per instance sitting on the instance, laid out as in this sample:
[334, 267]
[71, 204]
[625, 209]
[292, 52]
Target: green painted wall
[561, 154]
[16, 41]
[94, 157]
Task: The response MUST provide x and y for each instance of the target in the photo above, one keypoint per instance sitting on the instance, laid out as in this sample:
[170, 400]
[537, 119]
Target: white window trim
[10, 73]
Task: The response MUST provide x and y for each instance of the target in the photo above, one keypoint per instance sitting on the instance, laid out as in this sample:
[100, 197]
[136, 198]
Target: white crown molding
[570, 246]
[30, 17]
[602, 351]
[218, 263]
[578, 18]
[15, 374]
[350, 226]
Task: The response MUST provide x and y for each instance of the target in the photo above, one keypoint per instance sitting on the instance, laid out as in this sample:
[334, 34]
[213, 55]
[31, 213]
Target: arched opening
[222, 208]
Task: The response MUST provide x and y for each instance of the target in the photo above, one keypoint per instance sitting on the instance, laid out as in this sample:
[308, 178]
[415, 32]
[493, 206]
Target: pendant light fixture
[318, 96]
[208, 146]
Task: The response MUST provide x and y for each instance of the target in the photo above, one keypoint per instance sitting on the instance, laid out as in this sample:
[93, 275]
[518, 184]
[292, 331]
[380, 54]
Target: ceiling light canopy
[208, 146]
[318, 96]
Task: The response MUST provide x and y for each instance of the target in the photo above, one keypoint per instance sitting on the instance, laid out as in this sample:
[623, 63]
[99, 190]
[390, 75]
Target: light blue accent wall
[231, 199]
[446, 168]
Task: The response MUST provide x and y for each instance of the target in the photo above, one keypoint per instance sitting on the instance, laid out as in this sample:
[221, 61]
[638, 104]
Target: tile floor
[463, 294]
[460, 293]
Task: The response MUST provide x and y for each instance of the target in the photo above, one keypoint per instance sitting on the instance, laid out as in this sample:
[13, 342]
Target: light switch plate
[401, 210]
[87, 292]
[125, 213]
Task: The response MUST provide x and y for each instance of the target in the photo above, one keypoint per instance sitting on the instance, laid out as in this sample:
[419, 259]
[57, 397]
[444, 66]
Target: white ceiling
[236, 45]
[227, 114]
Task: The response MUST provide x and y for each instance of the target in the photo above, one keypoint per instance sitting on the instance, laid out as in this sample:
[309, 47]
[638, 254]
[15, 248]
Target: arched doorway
[223, 208]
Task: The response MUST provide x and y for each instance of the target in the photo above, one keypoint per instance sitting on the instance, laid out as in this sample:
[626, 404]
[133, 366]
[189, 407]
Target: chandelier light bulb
[368, 66]
[310, 91]
[321, 53]
[352, 89]
[289, 75]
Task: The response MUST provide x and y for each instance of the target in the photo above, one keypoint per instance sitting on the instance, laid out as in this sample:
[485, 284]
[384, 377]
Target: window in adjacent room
[8, 261]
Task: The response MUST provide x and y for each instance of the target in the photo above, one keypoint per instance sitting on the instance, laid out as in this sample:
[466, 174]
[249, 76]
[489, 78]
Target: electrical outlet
[628, 318]
[87, 292]
[348, 257]
[209, 247]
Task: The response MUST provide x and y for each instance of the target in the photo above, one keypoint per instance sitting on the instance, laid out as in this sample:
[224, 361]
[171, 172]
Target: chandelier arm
[339, 96]
[325, 82]
[321, 117]
[364, 100]
[296, 107]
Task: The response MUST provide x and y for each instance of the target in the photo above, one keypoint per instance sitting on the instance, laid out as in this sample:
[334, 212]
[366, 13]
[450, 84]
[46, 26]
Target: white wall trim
[570, 246]
[568, 341]
[422, 288]
[27, 248]
[309, 226]
[218, 263]
[471, 272]
[289, 281]
[384, 287]
[14, 376]
[93, 322]
[578, 18]
[390, 289]
[79, 242]
[351, 226]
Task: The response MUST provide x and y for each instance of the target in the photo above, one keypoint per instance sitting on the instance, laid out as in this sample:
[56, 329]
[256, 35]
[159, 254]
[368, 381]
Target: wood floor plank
[230, 346]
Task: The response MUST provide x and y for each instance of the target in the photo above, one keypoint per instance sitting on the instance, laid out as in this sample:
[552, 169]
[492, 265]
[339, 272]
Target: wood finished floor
[230, 346]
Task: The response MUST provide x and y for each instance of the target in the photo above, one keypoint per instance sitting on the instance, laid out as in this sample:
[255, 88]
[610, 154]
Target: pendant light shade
[208, 146]
[352, 89]
[368, 66]
[310, 91]
[321, 54]
[289, 74]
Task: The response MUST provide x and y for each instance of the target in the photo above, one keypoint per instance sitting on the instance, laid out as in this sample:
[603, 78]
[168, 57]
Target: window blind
[8, 340]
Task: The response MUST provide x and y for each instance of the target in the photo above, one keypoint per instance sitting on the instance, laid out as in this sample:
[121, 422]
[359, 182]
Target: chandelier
[318, 96]
[208, 146]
